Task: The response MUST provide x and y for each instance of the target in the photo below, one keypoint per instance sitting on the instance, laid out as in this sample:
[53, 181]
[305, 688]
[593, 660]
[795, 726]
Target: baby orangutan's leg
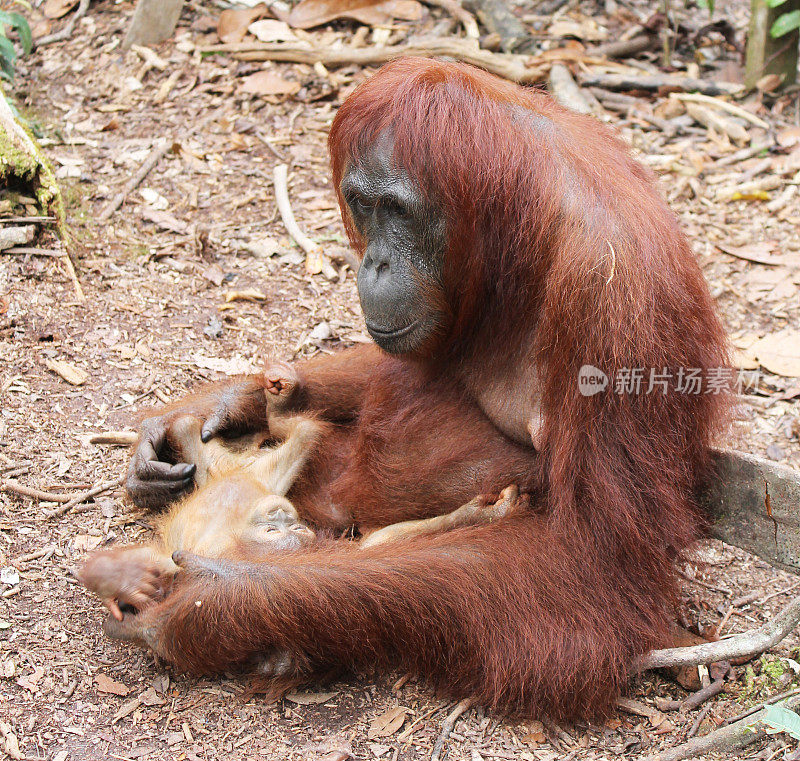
[128, 577]
[479, 510]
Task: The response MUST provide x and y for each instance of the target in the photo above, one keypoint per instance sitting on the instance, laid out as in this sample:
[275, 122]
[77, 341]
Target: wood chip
[66, 370]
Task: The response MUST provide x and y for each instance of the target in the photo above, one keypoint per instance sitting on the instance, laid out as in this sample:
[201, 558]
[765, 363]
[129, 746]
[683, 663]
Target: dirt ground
[167, 308]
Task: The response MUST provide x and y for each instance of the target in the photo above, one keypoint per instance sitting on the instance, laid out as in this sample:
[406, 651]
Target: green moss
[14, 163]
[763, 678]
[36, 172]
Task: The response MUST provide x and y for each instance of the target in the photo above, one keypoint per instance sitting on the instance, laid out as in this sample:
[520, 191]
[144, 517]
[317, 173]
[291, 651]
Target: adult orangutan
[505, 242]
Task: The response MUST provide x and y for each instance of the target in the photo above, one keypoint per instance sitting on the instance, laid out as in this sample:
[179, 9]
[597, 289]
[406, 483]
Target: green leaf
[709, 5]
[7, 52]
[23, 30]
[18, 22]
[780, 719]
[785, 23]
[775, 3]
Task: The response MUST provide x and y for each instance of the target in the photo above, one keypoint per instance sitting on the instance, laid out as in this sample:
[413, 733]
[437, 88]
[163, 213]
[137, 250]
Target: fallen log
[754, 504]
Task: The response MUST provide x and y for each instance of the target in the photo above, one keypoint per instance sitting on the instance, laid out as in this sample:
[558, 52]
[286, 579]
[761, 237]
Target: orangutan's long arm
[509, 613]
[333, 387]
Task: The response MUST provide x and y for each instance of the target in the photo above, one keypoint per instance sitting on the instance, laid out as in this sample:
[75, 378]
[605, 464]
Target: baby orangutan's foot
[280, 382]
[126, 578]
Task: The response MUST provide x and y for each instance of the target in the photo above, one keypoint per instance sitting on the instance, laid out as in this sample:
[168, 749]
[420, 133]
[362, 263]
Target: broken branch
[316, 261]
[739, 646]
[26, 491]
[517, 68]
[657, 82]
[447, 726]
[93, 492]
[734, 736]
[115, 438]
[161, 150]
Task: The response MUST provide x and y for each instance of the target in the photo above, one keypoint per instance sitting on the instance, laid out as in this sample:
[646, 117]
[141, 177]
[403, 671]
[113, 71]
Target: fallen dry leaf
[127, 708]
[233, 23]
[788, 137]
[779, 352]
[387, 723]
[58, 8]
[753, 252]
[107, 684]
[267, 83]
[10, 741]
[769, 82]
[271, 30]
[29, 681]
[86, 542]
[214, 274]
[165, 220]
[233, 366]
[535, 734]
[309, 698]
[67, 371]
[310, 13]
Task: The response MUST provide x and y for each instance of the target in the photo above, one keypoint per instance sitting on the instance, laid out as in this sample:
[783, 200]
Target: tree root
[724, 740]
[739, 646]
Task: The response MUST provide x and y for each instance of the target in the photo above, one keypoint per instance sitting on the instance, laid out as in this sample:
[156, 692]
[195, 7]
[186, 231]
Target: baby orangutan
[239, 508]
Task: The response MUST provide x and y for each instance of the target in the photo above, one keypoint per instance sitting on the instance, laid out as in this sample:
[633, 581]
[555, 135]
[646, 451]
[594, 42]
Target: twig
[115, 438]
[517, 68]
[22, 470]
[66, 32]
[93, 492]
[696, 699]
[742, 155]
[712, 119]
[447, 726]
[37, 218]
[723, 105]
[35, 555]
[161, 150]
[723, 740]
[26, 491]
[316, 261]
[31, 251]
[281, 179]
[625, 48]
[656, 82]
[697, 722]
[70, 268]
[455, 9]
[739, 646]
[768, 702]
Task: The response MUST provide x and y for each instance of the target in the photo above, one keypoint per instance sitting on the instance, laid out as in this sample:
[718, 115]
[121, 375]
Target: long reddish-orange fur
[561, 254]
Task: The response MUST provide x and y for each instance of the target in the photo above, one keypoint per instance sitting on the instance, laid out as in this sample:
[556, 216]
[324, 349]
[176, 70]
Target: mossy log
[24, 166]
